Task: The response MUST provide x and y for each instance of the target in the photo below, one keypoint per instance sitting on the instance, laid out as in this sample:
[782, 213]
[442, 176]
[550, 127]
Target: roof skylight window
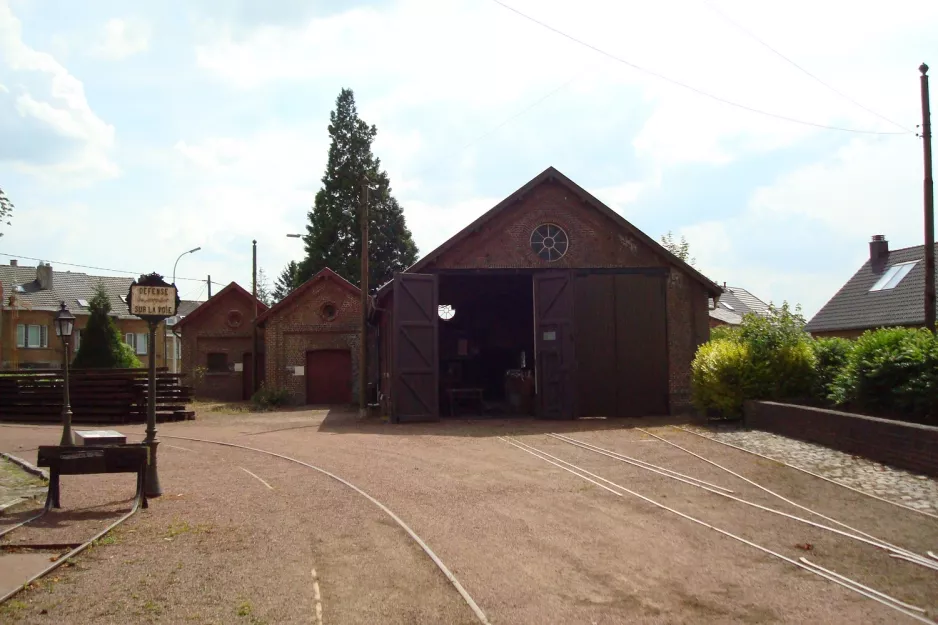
[727, 305]
[893, 276]
[82, 302]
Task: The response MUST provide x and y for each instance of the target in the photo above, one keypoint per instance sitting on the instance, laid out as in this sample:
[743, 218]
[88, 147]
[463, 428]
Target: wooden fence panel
[104, 396]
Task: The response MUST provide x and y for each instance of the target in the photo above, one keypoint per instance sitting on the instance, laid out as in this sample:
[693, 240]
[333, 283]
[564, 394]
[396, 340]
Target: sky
[131, 132]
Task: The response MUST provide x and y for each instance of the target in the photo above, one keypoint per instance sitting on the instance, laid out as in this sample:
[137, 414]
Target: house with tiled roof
[887, 290]
[735, 303]
[31, 296]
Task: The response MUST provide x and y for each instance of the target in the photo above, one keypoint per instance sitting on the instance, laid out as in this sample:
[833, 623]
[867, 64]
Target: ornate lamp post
[64, 325]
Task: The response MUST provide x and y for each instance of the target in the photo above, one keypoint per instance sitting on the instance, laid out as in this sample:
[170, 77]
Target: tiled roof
[854, 307]
[68, 286]
[736, 302]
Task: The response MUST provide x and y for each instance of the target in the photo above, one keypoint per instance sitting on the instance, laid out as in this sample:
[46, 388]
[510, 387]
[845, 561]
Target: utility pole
[254, 358]
[929, 206]
[208, 280]
[363, 346]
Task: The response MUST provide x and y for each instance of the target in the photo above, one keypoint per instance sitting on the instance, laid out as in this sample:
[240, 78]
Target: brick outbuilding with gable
[312, 340]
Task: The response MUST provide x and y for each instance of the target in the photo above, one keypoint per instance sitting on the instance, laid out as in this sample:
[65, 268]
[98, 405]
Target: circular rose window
[549, 242]
[234, 318]
[328, 311]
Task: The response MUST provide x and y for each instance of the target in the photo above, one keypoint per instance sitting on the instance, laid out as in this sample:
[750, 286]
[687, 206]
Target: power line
[136, 273]
[685, 85]
[726, 17]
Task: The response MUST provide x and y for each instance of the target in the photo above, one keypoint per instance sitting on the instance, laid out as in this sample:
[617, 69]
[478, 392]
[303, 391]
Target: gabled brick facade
[598, 238]
[222, 325]
[299, 324]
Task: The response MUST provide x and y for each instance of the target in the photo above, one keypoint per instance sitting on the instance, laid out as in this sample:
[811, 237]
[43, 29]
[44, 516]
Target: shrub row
[890, 372]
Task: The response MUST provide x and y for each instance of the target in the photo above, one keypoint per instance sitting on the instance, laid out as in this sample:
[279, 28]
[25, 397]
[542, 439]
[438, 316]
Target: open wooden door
[553, 325]
[415, 382]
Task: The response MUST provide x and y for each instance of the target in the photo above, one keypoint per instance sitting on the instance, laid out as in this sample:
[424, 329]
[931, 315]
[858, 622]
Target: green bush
[893, 371]
[766, 357]
[267, 398]
[831, 355]
[721, 377]
[724, 332]
[101, 344]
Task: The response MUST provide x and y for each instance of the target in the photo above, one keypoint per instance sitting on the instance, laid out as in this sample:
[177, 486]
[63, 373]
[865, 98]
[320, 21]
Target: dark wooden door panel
[596, 346]
[556, 365]
[247, 375]
[415, 384]
[329, 376]
[641, 345]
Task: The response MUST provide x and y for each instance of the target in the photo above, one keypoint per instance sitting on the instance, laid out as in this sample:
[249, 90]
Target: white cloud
[64, 115]
[122, 39]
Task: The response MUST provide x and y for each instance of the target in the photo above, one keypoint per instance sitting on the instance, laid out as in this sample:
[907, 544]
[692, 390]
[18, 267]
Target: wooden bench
[93, 459]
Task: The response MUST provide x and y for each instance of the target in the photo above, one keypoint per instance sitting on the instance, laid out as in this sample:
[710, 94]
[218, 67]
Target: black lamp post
[64, 325]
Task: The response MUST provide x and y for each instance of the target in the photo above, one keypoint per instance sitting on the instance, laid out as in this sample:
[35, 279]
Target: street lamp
[192, 251]
[64, 325]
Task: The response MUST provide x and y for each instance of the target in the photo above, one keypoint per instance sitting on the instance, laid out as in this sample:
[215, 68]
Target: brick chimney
[879, 249]
[13, 262]
[44, 276]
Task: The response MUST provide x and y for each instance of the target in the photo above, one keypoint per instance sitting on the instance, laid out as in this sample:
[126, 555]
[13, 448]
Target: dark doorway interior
[486, 344]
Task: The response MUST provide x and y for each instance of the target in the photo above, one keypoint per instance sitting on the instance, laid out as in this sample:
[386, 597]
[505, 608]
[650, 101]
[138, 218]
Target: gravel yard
[240, 537]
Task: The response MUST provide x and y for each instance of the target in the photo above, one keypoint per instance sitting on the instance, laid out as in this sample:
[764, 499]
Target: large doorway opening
[486, 344]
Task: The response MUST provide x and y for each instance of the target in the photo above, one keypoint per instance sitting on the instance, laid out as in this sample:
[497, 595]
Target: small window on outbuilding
[217, 362]
[328, 311]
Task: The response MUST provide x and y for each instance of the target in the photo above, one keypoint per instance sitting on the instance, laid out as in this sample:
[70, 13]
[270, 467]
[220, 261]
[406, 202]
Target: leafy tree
[681, 248]
[286, 282]
[101, 344]
[6, 209]
[333, 235]
[263, 288]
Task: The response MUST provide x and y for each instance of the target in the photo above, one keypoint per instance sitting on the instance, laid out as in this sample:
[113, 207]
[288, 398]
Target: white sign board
[156, 301]
[239, 366]
[299, 370]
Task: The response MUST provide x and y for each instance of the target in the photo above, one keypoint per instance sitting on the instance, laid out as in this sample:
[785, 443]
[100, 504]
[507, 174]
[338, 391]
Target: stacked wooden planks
[96, 395]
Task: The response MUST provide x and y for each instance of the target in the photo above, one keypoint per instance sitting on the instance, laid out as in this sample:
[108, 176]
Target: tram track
[618, 490]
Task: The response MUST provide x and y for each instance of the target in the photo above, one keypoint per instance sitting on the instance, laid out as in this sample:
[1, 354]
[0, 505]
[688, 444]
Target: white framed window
[30, 336]
[893, 276]
[138, 341]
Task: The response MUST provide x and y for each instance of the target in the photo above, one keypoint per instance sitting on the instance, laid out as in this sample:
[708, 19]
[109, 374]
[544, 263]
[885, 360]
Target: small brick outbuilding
[217, 345]
[312, 341]
[550, 296]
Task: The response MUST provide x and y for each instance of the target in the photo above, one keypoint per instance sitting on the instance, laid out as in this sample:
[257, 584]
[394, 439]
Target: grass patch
[245, 609]
[13, 608]
[152, 607]
[107, 539]
[177, 528]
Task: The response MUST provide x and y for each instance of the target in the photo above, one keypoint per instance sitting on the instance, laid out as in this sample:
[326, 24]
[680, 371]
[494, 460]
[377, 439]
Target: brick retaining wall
[906, 445]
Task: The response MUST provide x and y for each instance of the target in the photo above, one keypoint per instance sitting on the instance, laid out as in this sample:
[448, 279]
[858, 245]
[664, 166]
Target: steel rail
[817, 475]
[480, 615]
[583, 473]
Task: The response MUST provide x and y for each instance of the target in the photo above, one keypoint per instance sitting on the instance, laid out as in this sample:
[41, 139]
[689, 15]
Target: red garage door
[329, 376]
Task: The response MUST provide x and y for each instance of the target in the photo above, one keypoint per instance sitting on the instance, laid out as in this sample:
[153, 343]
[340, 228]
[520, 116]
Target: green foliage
[891, 370]
[268, 398]
[263, 288]
[681, 248]
[766, 357]
[333, 236]
[831, 355]
[101, 343]
[782, 359]
[720, 377]
[724, 332]
[6, 210]
[286, 281]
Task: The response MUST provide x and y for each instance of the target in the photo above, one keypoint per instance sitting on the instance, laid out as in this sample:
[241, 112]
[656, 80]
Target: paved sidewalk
[911, 489]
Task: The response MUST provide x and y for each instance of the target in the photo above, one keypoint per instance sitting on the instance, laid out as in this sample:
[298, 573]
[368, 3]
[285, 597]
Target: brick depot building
[217, 345]
[553, 285]
[312, 341]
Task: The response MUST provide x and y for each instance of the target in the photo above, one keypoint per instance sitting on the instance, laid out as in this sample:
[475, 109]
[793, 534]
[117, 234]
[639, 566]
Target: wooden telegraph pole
[254, 338]
[363, 346]
[929, 206]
